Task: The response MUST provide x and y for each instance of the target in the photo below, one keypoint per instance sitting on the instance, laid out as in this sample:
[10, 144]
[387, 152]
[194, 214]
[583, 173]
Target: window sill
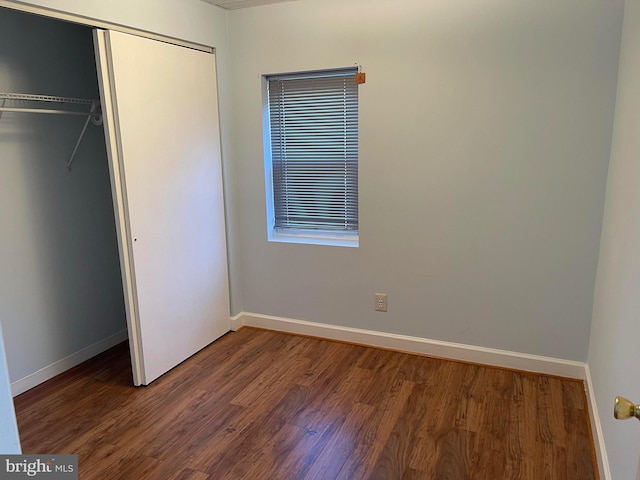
[313, 238]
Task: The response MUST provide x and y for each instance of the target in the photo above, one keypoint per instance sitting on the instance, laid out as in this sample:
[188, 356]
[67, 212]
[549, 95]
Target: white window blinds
[313, 120]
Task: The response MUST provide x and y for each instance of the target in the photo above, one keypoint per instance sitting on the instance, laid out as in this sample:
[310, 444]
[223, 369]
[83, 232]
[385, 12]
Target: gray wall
[614, 354]
[60, 288]
[484, 140]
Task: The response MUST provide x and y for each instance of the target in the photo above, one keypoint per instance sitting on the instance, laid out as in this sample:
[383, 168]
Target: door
[161, 123]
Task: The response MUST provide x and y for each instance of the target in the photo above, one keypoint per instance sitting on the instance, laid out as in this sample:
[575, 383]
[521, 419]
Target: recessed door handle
[624, 409]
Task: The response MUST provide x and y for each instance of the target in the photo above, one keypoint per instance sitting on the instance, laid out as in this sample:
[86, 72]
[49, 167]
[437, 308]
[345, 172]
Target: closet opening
[61, 295]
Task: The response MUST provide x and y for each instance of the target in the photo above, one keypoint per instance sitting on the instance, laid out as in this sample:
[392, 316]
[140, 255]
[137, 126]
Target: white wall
[484, 140]
[614, 354]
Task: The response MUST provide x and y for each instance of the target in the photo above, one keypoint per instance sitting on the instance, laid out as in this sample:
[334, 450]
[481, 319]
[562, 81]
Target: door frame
[100, 24]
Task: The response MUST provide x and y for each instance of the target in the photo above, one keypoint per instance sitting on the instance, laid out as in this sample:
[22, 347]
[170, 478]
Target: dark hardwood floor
[265, 405]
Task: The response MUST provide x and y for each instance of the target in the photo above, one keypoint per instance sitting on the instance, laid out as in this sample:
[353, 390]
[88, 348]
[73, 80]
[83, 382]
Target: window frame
[342, 238]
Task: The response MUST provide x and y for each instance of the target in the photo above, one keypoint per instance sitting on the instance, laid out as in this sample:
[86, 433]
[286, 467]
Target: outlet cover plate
[380, 300]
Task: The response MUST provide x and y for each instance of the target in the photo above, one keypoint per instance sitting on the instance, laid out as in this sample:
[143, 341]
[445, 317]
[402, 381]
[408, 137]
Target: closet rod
[42, 110]
[29, 97]
[45, 98]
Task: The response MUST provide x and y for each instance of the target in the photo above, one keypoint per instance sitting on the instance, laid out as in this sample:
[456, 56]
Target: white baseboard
[64, 364]
[596, 426]
[435, 348]
[236, 322]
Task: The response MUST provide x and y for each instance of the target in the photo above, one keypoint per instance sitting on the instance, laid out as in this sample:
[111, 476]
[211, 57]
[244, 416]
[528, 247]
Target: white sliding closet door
[161, 121]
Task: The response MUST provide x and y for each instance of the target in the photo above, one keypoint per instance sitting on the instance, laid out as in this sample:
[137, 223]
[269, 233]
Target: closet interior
[61, 296]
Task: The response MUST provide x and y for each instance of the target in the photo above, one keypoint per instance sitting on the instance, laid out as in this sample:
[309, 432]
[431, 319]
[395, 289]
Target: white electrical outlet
[380, 302]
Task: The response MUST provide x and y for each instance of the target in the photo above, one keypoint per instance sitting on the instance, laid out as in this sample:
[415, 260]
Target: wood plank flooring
[266, 405]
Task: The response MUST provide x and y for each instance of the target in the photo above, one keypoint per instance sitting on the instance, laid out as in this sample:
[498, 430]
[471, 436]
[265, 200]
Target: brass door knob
[624, 409]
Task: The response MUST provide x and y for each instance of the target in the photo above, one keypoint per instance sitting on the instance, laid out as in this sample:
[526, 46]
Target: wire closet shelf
[30, 103]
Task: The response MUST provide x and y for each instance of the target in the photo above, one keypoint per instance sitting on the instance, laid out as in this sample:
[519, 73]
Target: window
[313, 151]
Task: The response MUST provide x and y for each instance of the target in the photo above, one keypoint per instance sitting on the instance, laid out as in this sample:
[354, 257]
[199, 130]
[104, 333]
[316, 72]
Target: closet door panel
[164, 117]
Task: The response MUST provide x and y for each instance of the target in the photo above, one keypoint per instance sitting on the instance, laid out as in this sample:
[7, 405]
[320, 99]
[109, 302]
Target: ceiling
[234, 4]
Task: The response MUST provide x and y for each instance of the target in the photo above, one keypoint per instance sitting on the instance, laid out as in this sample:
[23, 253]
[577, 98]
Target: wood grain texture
[265, 405]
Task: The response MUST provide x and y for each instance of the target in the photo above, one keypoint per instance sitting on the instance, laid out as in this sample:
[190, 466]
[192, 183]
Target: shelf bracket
[90, 116]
